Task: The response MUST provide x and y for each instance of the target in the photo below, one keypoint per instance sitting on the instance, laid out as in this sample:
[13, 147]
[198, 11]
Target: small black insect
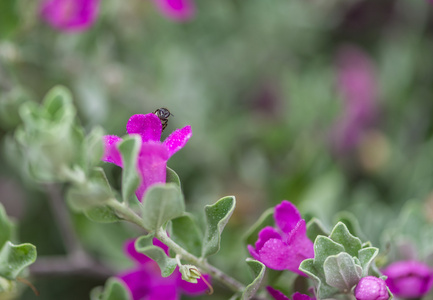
[163, 114]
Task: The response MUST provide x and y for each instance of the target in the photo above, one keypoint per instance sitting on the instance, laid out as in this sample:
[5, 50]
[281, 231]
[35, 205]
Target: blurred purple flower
[153, 155]
[145, 281]
[371, 288]
[176, 10]
[284, 247]
[409, 279]
[356, 83]
[70, 15]
[277, 295]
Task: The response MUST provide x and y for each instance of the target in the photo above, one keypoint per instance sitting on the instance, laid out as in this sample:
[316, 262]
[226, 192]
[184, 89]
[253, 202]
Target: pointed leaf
[6, 227]
[172, 177]
[167, 264]
[129, 149]
[184, 231]
[315, 228]
[162, 202]
[341, 272]
[217, 216]
[351, 223]
[258, 270]
[324, 247]
[366, 257]
[266, 219]
[340, 234]
[14, 258]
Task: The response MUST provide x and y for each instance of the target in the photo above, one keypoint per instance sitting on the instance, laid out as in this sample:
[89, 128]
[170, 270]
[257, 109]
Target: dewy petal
[276, 255]
[177, 139]
[111, 153]
[70, 15]
[266, 234]
[301, 244]
[286, 216]
[177, 10]
[276, 294]
[152, 166]
[194, 288]
[147, 126]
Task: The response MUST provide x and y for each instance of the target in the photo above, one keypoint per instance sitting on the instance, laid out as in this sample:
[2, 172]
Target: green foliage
[166, 264]
[172, 177]
[114, 289]
[184, 232]
[129, 148]
[217, 216]
[339, 262]
[14, 258]
[162, 202]
[9, 18]
[315, 228]
[258, 270]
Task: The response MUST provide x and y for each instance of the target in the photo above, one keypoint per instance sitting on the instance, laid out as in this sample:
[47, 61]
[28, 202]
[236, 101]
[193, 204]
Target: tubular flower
[284, 247]
[409, 279]
[153, 155]
[144, 281]
[371, 288]
[176, 10]
[70, 15]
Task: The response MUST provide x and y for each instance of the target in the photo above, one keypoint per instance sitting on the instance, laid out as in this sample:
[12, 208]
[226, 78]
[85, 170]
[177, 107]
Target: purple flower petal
[276, 294]
[299, 296]
[152, 166]
[276, 255]
[298, 237]
[111, 153]
[371, 288]
[194, 288]
[177, 139]
[147, 126]
[286, 216]
[177, 10]
[137, 281]
[70, 15]
[266, 234]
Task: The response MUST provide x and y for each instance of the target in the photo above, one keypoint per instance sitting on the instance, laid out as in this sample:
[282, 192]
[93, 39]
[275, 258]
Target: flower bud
[371, 288]
[409, 279]
[189, 273]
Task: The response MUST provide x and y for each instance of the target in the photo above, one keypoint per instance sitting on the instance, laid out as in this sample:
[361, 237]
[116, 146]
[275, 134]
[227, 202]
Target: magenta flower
[277, 295]
[153, 156]
[409, 279]
[284, 247]
[144, 281]
[176, 10]
[371, 288]
[356, 83]
[70, 15]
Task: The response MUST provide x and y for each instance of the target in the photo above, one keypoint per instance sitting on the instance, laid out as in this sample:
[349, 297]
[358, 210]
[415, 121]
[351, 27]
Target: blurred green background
[257, 81]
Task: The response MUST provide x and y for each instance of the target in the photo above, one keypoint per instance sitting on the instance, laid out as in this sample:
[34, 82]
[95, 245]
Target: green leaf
[58, 104]
[217, 216]
[167, 264]
[6, 227]
[129, 149]
[315, 228]
[340, 234]
[93, 192]
[162, 202]
[341, 272]
[184, 231]
[324, 247]
[258, 270]
[351, 223]
[102, 214]
[14, 258]
[366, 257]
[114, 289]
[93, 148]
[323, 290]
[266, 219]
[172, 177]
